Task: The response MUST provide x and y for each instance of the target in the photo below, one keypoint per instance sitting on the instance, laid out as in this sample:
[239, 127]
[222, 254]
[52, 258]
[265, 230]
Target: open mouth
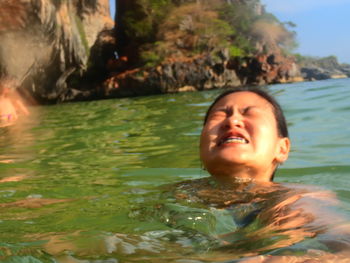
[230, 138]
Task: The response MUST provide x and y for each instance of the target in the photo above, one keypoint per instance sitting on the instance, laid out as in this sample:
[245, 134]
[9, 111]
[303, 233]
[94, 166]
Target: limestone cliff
[175, 45]
[179, 45]
[70, 50]
[44, 43]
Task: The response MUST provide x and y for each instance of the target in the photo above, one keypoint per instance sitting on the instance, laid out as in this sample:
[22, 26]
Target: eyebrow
[229, 108]
[222, 109]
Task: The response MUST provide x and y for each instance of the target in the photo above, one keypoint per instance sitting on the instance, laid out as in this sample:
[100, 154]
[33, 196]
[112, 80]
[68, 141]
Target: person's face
[4, 89]
[240, 138]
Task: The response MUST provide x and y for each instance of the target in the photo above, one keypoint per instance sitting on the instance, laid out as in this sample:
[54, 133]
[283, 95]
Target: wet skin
[240, 139]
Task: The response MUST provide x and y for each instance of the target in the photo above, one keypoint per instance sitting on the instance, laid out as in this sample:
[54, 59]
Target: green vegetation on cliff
[142, 22]
[330, 62]
[175, 29]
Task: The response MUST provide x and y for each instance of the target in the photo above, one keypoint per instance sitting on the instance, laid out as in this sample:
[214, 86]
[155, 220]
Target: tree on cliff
[167, 29]
[62, 49]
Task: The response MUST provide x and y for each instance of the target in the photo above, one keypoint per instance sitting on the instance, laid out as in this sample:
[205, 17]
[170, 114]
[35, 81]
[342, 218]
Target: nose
[235, 120]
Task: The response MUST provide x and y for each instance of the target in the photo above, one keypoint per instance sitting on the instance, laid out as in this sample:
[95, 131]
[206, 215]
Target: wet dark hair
[282, 127]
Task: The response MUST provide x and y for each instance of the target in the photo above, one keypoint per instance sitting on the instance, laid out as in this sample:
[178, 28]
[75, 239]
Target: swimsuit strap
[8, 116]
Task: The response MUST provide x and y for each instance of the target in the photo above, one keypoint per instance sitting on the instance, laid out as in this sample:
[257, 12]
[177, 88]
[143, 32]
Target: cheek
[266, 137]
[204, 139]
[203, 146]
[207, 139]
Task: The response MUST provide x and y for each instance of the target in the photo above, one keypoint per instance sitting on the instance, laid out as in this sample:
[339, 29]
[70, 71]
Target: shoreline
[132, 93]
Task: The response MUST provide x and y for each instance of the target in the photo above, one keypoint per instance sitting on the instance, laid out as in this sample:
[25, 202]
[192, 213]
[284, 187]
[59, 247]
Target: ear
[282, 150]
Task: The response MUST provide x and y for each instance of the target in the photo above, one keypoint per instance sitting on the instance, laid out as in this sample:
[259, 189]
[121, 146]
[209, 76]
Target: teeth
[234, 140]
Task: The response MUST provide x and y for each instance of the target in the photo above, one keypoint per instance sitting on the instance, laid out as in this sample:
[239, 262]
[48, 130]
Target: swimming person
[245, 136]
[11, 104]
[243, 141]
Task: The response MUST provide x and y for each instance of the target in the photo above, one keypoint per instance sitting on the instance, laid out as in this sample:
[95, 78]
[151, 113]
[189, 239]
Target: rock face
[265, 69]
[200, 73]
[180, 45]
[45, 43]
[67, 50]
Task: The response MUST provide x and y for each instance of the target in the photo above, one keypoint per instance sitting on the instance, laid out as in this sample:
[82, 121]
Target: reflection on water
[120, 181]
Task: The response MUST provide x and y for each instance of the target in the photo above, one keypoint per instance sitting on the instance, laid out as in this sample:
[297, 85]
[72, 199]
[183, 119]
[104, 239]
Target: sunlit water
[103, 181]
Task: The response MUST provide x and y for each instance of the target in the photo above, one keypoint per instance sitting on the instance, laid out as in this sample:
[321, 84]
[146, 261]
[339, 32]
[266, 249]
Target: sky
[112, 7]
[323, 26]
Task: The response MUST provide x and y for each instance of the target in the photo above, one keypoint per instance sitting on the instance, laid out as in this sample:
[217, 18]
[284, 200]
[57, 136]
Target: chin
[224, 164]
[230, 159]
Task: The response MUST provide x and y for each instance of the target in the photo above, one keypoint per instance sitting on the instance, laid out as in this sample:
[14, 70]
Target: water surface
[95, 181]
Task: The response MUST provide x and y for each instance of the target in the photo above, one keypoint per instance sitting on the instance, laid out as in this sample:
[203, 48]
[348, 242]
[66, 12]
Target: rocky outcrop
[45, 44]
[218, 70]
[163, 47]
[323, 68]
[265, 69]
[69, 50]
[203, 72]
[199, 73]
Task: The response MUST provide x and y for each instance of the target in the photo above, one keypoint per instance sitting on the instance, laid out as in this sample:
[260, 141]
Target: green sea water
[89, 181]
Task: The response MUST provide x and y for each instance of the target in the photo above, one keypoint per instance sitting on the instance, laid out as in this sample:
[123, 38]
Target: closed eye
[250, 110]
[218, 114]
[246, 110]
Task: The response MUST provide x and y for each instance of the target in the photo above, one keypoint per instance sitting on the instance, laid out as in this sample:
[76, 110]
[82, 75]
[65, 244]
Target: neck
[242, 174]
